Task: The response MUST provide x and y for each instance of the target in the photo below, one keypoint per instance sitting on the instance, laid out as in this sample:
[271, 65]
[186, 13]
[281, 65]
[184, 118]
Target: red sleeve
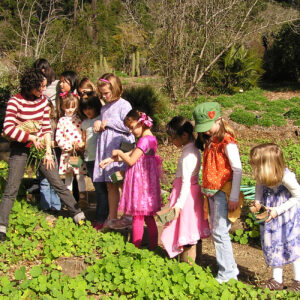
[10, 122]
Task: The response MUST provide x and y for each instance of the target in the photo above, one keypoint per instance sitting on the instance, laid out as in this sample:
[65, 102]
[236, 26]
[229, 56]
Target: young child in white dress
[69, 139]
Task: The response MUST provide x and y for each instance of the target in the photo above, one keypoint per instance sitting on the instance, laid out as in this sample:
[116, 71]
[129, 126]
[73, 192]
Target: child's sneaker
[98, 225]
[295, 286]
[272, 285]
[122, 223]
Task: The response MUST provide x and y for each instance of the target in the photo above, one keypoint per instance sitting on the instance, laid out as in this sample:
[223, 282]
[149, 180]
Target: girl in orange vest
[221, 168]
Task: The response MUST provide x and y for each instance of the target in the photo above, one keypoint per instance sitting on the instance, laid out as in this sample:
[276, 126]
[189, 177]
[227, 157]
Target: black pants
[17, 163]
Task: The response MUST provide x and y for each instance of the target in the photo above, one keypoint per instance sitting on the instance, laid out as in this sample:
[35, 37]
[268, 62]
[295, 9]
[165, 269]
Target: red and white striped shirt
[19, 110]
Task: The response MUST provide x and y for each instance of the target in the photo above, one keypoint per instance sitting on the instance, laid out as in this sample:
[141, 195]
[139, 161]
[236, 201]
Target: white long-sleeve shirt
[290, 182]
[188, 166]
[232, 152]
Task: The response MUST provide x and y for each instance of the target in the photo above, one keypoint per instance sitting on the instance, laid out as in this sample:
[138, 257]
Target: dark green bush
[239, 69]
[243, 117]
[146, 99]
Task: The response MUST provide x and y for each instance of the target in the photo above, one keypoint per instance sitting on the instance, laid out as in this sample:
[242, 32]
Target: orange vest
[216, 167]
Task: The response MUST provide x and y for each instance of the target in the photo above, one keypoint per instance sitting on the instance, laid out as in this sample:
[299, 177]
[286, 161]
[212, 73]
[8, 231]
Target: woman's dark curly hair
[31, 79]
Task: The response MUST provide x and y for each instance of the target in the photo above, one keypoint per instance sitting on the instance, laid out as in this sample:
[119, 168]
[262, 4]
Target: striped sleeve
[11, 121]
[46, 124]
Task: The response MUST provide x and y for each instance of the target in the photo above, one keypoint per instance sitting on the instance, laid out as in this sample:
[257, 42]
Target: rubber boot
[189, 254]
[198, 252]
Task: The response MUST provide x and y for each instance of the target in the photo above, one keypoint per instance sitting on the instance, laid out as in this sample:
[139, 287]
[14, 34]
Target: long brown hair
[268, 164]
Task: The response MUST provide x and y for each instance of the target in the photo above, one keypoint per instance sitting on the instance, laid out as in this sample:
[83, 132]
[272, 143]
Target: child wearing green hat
[221, 168]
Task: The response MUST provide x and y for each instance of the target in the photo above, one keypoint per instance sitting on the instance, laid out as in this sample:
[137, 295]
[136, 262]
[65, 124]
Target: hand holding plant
[272, 213]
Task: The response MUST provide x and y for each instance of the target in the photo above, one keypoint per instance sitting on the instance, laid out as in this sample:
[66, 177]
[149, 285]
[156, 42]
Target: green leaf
[20, 274]
[36, 271]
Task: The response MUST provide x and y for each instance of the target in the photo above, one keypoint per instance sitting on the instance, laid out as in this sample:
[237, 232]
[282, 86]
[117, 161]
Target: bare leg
[114, 194]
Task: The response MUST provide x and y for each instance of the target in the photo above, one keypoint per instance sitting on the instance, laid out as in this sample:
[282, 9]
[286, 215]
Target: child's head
[68, 81]
[43, 65]
[137, 122]
[70, 104]
[109, 87]
[209, 124]
[180, 130]
[85, 86]
[90, 105]
[268, 164]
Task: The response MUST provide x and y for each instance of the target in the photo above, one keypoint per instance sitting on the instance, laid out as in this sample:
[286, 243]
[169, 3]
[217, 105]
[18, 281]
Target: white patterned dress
[68, 131]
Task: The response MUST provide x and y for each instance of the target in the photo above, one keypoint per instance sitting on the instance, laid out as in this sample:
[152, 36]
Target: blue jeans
[48, 197]
[101, 194]
[220, 226]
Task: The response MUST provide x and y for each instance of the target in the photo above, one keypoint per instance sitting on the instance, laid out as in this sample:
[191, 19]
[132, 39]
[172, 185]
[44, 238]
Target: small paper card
[166, 215]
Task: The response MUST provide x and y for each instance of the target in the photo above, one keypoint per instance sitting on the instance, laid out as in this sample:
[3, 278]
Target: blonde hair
[68, 101]
[203, 138]
[114, 84]
[268, 164]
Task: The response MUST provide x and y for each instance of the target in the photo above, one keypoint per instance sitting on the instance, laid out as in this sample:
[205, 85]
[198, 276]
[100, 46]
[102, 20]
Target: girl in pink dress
[69, 139]
[188, 227]
[141, 196]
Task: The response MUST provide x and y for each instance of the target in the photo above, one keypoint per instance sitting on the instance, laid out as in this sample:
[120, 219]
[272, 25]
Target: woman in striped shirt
[30, 104]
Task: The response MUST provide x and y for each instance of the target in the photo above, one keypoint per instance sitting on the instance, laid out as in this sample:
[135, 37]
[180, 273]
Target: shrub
[238, 69]
[243, 117]
[145, 98]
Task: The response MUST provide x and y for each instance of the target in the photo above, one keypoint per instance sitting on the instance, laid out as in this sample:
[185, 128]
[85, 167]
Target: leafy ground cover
[115, 269]
[31, 260]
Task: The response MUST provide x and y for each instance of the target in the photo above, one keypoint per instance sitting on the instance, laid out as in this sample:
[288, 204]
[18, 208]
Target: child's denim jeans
[48, 197]
[220, 226]
[101, 194]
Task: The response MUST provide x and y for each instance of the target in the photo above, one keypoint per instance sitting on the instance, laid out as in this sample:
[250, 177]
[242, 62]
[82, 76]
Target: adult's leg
[220, 233]
[114, 193]
[61, 189]
[17, 163]
[152, 231]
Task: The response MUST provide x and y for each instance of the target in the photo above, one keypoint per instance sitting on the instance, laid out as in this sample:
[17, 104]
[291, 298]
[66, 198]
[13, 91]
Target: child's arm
[130, 158]
[233, 155]
[290, 182]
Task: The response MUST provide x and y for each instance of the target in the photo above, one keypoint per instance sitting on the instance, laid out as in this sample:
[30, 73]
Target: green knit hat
[205, 115]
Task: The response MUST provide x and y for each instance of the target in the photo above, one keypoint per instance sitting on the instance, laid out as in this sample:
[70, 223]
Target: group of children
[97, 130]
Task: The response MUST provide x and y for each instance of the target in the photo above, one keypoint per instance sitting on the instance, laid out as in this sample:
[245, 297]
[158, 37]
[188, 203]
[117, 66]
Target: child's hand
[273, 213]
[97, 125]
[105, 162]
[233, 205]
[103, 125]
[177, 212]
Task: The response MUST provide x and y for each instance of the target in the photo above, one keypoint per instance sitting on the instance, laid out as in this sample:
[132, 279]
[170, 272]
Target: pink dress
[68, 131]
[141, 194]
[190, 226]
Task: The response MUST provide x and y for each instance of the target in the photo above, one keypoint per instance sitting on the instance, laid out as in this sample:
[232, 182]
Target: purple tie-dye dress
[111, 138]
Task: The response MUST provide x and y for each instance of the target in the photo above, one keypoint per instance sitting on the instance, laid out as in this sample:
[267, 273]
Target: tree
[190, 36]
